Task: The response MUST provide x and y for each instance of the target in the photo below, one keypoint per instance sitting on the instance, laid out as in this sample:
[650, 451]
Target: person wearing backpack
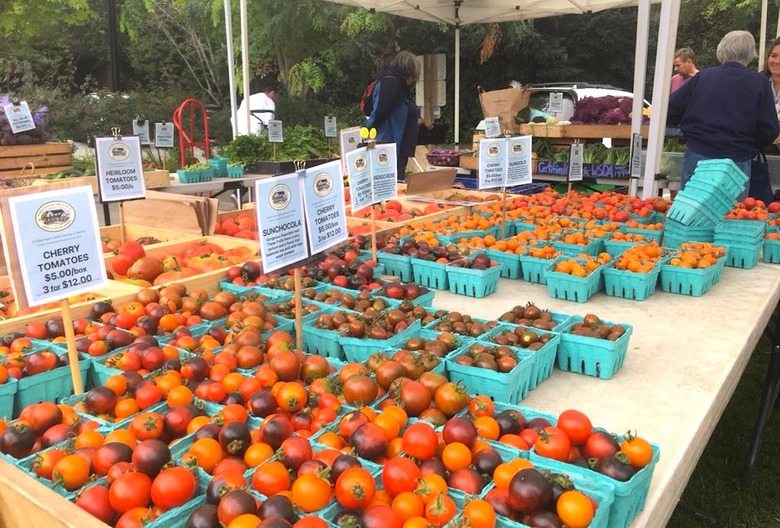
[390, 108]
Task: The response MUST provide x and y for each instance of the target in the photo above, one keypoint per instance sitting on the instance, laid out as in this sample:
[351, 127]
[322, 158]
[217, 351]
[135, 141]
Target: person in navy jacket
[727, 111]
[394, 114]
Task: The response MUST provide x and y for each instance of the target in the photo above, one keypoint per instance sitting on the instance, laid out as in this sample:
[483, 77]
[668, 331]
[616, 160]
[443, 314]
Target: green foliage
[300, 143]
[27, 18]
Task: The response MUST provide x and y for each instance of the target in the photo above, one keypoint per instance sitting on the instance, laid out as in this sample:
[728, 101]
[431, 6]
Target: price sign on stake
[120, 171]
[492, 163]
[575, 162]
[492, 127]
[275, 132]
[556, 103]
[323, 195]
[518, 164]
[163, 135]
[331, 130]
[51, 241]
[384, 167]
[19, 117]
[281, 222]
[636, 156]
[141, 129]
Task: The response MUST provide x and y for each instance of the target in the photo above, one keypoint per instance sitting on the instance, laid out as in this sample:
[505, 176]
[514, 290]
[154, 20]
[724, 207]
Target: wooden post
[73, 355]
[298, 310]
[122, 236]
[503, 217]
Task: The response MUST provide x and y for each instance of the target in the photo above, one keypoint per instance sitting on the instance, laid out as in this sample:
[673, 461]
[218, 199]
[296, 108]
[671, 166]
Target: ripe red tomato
[576, 425]
[420, 441]
[355, 488]
[400, 474]
[600, 444]
[173, 487]
[553, 443]
[131, 490]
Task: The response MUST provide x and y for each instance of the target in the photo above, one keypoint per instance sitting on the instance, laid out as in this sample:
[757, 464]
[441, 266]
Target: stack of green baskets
[744, 240]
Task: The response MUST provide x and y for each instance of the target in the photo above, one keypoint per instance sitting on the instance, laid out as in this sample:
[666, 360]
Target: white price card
[275, 133]
[57, 239]
[281, 222]
[331, 129]
[323, 196]
[492, 163]
[383, 168]
[575, 162]
[359, 176]
[141, 129]
[492, 127]
[518, 165]
[163, 135]
[556, 103]
[19, 117]
[636, 156]
[120, 170]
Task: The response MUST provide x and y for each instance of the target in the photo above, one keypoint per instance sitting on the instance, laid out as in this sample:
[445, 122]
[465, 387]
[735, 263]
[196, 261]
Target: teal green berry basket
[771, 251]
[219, 165]
[687, 281]
[429, 273]
[592, 356]
[322, 342]
[592, 248]
[544, 361]
[52, 386]
[235, 172]
[629, 284]
[534, 269]
[648, 234]
[510, 263]
[7, 395]
[617, 247]
[508, 387]
[570, 288]
[742, 256]
[692, 212]
[396, 265]
[473, 282]
[357, 349]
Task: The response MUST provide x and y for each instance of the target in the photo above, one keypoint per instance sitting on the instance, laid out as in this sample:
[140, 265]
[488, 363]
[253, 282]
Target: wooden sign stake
[73, 355]
[298, 310]
[122, 236]
[503, 217]
[274, 154]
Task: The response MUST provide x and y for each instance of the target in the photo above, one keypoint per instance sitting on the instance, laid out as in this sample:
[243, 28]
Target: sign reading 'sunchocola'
[281, 222]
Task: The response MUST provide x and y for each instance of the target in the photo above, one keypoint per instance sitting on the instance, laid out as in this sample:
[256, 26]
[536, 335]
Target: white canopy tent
[461, 12]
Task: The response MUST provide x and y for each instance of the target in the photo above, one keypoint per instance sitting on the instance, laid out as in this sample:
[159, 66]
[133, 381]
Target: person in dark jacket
[727, 111]
[394, 114]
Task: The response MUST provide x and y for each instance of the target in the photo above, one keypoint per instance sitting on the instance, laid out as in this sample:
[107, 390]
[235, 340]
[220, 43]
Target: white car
[572, 92]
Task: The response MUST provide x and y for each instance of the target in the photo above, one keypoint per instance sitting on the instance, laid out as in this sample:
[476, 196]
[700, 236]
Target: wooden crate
[581, 131]
[135, 231]
[196, 281]
[119, 292]
[47, 158]
[157, 179]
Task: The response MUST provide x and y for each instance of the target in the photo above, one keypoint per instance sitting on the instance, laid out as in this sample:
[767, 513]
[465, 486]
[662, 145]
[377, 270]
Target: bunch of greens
[300, 143]
[618, 156]
[595, 153]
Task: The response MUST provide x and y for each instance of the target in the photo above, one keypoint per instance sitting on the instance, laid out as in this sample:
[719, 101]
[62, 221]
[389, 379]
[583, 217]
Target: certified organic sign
[119, 169]
[57, 243]
[280, 221]
[324, 201]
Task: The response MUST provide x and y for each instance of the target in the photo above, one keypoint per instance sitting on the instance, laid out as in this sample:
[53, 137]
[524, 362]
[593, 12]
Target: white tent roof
[461, 12]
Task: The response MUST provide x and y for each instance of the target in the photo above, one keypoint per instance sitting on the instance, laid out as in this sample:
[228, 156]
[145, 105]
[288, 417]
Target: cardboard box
[157, 179]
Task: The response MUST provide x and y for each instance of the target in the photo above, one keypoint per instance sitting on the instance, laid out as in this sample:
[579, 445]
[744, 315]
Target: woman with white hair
[727, 111]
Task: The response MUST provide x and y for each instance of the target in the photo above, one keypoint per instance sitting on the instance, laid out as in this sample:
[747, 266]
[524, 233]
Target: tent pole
[457, 85]
[640, 69]
[245, 62]
[762, 35]
[231, 65]
[667, 38]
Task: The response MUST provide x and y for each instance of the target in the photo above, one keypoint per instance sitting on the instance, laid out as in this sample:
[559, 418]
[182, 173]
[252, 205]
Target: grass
[716, 496]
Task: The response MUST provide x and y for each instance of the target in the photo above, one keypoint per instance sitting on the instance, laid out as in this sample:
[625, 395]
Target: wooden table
[684, 361]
